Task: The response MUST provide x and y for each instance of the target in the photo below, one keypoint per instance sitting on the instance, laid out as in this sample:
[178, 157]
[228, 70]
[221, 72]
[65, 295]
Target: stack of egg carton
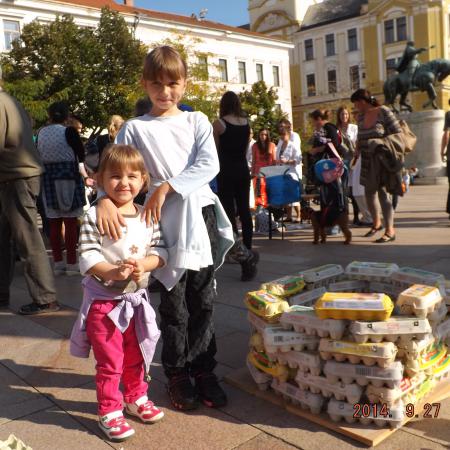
[333, 340]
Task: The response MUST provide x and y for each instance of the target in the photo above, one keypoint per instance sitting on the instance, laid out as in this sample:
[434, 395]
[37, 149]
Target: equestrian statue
[413, 76]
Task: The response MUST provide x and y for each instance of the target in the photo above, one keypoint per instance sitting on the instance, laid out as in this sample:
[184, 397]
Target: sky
[230, 12]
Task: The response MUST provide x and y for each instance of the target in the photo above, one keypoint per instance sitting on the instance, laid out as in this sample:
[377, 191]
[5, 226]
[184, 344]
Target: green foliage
[96, 71]
[260, 103]
[202, 92]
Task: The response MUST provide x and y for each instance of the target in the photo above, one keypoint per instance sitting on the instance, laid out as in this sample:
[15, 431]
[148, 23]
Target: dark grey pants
[19, 230]
[187, 328]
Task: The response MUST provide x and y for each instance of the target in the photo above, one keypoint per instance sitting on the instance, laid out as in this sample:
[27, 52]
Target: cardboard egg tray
[285, 286]
[420, 300]
[371, 271]
[308, 298]
[286, 340]
[303, 361]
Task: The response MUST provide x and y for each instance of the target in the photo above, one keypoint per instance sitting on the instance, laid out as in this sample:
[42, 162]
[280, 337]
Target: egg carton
[442, 331]
[262, 362]
[303, 361]
[420, 300]
[321, 385]
[426, 363]
[349, 286]
[392, 330]
[407, 276]
[348, 373]
[438, 315]
[443, 369]
[392, 417]
[322, 276]
[382, 353]
[411, 350]
[286, 286]
[262, 379]
[305, 320]
[393, 396]
[258, 323]
[285, 340]
[354, 306]
[307, 298]
[385, 287]
[425, 388]
[265, 305]
[256, 341]
[307, 400]
[371, 271]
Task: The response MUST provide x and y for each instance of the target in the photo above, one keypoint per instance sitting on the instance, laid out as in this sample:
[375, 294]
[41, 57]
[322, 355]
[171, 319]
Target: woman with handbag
[375, 122]
[232, 135]
[62, 154]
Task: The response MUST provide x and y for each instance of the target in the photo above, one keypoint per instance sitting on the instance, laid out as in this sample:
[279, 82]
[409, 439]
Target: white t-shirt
[291, 152]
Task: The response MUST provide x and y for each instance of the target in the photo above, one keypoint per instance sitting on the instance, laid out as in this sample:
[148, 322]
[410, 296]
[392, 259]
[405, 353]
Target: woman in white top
[349, 134]
[289, 154]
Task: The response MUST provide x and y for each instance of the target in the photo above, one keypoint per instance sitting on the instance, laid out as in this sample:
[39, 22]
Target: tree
[96, 71]
[260, 104]
[202, 91]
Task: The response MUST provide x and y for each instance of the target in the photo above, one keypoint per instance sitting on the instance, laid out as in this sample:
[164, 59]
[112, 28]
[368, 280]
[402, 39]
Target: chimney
[128, 2]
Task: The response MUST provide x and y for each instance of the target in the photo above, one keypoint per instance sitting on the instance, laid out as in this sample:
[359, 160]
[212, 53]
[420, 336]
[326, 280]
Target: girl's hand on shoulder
[109, 219]
[152, 209]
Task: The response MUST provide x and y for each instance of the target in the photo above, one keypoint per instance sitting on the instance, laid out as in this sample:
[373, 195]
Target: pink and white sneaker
[145, 410]
[115, 426]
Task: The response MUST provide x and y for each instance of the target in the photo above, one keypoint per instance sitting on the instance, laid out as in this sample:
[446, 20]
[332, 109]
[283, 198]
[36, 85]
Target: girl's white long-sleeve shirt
[180, 149]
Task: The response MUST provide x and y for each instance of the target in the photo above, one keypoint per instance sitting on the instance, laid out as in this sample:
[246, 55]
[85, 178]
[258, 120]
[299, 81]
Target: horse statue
[424, 78]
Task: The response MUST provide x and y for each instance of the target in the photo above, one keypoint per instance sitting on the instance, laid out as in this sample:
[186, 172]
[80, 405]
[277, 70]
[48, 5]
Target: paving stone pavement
[47, 398]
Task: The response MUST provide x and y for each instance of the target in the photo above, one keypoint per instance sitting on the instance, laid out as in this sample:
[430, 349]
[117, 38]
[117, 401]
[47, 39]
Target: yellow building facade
[341, 45]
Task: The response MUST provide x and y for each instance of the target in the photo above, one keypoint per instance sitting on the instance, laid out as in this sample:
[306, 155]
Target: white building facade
[237, 58]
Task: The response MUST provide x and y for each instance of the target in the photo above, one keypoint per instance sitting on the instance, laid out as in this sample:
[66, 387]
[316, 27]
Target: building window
[395, 30]
[259, 72]
[329, 41]
[389, 31]
[401, 29]
[242, 72]
[223, 70]
[354, 78]
[276, 76]
[203, 74]
[11, 30]
[332, 83]
[391, 66]
[309, 49]
[352, 38]
[311, 84]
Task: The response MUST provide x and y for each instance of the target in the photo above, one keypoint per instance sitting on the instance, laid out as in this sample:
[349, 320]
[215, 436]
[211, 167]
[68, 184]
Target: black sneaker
[34, 309]
[181, 392]
[249, 267]
[209, 390]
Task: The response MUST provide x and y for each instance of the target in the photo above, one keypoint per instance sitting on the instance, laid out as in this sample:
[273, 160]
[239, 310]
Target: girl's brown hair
[118, 156]
[231, 104]
[365, 95]
[162, 61]
[323, 114]
[264, 147]
[340, 110]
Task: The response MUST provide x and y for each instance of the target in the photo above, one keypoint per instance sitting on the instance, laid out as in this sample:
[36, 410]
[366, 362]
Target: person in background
[375, 122]
[75, 121]
[287, 153]
[349, 135]
[263, 152]
[114, 125]
[20, 171]
[142, 107]
[294, 137]
[62, 153]
[445, 153]
[232, 135]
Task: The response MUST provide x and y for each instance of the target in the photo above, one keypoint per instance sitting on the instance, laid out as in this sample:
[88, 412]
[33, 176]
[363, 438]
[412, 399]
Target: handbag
[282, 189]
[329, 169]
[409, 138]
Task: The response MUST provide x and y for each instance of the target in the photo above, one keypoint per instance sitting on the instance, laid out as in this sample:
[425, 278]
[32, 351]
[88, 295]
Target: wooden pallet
[368, 435]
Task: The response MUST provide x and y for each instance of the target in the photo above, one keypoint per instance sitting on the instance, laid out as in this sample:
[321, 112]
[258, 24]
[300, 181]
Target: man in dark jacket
[20, 171]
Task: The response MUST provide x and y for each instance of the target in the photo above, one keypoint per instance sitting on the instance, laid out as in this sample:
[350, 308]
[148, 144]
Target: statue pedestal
[428, 127]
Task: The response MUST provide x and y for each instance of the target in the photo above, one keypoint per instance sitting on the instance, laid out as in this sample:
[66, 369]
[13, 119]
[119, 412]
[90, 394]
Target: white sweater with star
[137, 242]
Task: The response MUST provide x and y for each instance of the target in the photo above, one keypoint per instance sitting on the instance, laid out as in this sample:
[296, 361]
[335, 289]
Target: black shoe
[34, 309]
[249, 267]
[209, 390]
[181, 392]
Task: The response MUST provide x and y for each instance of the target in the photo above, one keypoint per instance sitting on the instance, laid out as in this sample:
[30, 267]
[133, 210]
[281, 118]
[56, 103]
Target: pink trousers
[118, 357]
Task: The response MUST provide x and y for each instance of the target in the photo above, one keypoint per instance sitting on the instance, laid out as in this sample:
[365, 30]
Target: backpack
[409, 138]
